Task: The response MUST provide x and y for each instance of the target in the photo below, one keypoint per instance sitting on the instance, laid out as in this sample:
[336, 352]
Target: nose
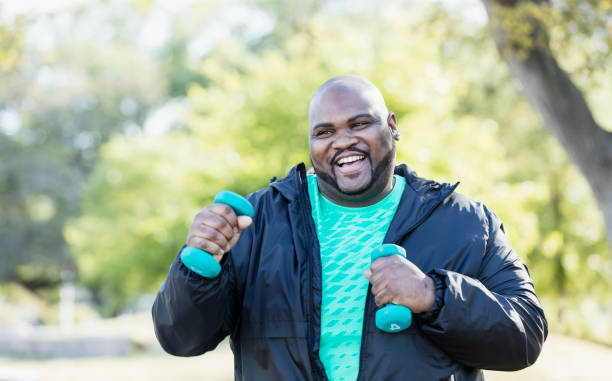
[344, 139]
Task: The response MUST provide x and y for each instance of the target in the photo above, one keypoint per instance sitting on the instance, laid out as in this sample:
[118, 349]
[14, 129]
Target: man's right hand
[216, 229]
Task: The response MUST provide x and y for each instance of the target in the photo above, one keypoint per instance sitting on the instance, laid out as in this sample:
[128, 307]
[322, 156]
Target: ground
[563, 359]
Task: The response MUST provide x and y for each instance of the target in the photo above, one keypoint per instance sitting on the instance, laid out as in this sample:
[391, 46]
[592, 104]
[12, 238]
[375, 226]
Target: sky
[11, 8]
[472, 9]
[156, 30]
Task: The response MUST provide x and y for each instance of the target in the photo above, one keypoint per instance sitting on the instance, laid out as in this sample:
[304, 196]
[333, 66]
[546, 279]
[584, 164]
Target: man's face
[351, 144]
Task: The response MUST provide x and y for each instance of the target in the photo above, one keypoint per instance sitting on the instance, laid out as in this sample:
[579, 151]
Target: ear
[392, 123]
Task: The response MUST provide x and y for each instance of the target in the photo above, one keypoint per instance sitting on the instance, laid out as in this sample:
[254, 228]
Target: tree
[248, 95]
[62, 97]
[249, 124]
[520, 31]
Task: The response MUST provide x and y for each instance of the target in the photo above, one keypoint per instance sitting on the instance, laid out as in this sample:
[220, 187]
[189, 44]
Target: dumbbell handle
[392, 317]
[201, 262]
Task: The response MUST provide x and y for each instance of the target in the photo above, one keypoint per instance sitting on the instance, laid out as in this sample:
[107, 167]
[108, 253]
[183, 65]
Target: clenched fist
[397, 280]
[216, 229]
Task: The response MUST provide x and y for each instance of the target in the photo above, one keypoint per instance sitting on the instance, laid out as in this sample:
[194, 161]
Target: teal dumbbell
[391, 318]
[202, 262]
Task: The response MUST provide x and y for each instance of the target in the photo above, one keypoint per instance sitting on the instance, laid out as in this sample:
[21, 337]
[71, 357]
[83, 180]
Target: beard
[381, 168]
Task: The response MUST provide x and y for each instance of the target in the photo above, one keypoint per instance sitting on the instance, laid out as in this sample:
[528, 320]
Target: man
[297, 292]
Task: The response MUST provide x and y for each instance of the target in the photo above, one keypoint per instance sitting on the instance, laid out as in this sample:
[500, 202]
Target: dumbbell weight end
[201, 262]
[391, 318]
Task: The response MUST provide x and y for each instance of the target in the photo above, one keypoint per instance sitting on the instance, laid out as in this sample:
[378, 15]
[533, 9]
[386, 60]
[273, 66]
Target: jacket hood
[288, 186]
[420, 196]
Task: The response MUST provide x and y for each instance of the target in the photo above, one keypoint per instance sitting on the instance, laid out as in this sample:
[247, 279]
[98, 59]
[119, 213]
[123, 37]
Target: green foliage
[147, 187]
[459, 113]
[577, 32]
[11, 43]
[249, 123]
[58, 105]
[523, 23]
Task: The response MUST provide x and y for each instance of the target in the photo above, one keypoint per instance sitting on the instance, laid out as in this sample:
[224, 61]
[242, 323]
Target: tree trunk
[561, 105]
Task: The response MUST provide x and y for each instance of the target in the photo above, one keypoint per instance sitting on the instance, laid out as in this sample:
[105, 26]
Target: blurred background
[120, 120]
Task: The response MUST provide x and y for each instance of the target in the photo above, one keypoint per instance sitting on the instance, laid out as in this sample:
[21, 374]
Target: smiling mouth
[349, 160]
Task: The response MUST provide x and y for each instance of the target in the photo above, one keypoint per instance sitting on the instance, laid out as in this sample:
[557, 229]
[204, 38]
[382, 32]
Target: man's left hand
[397, 280]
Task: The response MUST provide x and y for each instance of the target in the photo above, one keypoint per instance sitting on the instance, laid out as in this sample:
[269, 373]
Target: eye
[323, 133]
[359, 124]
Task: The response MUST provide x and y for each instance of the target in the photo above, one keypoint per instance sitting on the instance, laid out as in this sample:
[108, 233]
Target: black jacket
[268, 295]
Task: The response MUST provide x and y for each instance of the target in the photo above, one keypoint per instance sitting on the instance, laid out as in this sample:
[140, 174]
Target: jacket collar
[289, 186]
[420, 198]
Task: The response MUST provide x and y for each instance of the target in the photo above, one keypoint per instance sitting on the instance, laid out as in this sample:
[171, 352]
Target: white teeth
[349, 159]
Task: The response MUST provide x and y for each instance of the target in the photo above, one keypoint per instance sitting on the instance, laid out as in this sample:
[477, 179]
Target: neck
[376, 194]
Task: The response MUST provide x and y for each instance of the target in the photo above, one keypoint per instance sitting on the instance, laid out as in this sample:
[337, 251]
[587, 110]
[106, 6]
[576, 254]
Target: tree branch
[551, 92]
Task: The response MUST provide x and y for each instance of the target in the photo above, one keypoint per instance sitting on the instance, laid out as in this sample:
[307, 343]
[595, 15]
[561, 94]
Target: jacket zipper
[362, 350]
[311, 335]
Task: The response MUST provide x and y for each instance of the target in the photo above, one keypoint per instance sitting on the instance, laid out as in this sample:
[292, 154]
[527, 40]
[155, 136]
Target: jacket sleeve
[192, 314]
[494, 321]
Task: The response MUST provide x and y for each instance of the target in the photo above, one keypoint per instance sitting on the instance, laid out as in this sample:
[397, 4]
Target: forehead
[338, 103]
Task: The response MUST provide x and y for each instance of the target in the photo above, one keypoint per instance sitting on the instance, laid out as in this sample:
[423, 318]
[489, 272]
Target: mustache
[351, 149]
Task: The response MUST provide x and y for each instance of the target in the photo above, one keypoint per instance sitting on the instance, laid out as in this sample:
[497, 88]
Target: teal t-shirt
[347, 236]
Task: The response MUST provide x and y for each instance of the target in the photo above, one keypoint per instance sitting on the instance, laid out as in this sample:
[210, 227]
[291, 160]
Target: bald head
[352, 141]
[342, 89]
